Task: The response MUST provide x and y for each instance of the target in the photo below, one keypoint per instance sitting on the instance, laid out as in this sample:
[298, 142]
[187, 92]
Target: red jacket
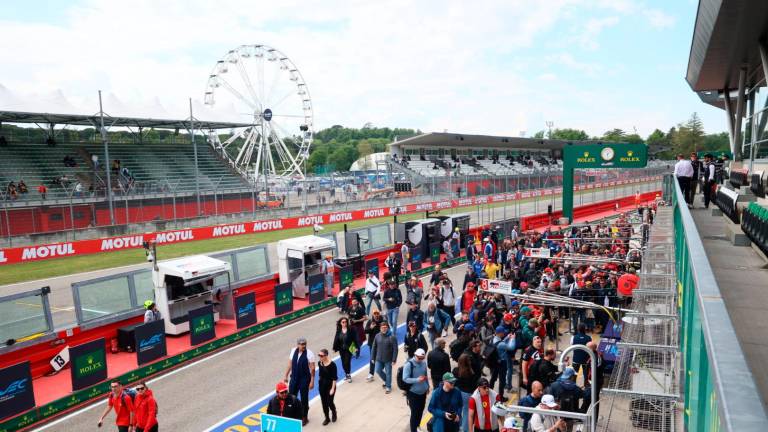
[146, 410]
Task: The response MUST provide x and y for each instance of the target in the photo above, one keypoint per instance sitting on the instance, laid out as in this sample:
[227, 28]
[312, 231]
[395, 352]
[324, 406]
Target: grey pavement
[200, 395]
[743, 279]
[61, 299]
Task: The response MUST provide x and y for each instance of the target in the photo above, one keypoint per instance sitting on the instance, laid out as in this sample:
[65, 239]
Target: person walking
[328, 375]
[581, 337]
[385, 355]
[481, 417]
[394, 265]
[344, 343]
[414, 339]
[531, 400]
[697, 170]
[415, 374]
[445, 406]
[448, 296]
[301, 370]
[284, 404]
[466, 382]
[328, 268]
[372, 329]
[122, 403]
[405, 255]
[684, 174]
[372, 291]
[437, 323]
[438, 362]
[393, 299]
[146, 409]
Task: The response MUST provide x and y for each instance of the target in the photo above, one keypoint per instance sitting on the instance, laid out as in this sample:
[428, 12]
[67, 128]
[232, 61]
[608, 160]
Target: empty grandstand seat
[739, 178]
[754, 223]
[757, 183]
[726, 200]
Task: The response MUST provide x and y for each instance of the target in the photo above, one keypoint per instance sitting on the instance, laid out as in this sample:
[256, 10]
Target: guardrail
[719, 390]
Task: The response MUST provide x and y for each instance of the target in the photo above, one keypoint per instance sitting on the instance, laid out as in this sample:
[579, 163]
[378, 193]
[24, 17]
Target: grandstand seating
[155, 167]
[754, 223]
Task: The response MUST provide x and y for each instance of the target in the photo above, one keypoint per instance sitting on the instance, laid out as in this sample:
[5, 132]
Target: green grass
[22, 272]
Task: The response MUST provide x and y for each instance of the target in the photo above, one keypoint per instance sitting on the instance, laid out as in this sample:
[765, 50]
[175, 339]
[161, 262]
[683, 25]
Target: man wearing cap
[152, 314]
[415, 374]
[547, 423]
[301, 369]
[481, 416]
[384, 352]
[285, 404]
[497, 359]
[328, 268]
[445, 406]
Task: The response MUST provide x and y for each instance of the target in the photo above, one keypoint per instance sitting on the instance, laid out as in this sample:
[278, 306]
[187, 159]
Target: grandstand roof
[93, 120]
[725, 38]
[444, 139]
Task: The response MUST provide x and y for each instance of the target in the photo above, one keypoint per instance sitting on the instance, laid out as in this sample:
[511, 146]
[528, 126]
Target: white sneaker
[370, 378]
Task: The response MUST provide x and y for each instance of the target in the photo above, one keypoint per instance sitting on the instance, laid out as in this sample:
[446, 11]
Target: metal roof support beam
[729, 114]
[740, 107]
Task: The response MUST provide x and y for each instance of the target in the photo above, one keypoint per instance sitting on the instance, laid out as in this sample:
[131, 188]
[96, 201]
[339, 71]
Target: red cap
[508, 317]
[281, 387]
[523, 284]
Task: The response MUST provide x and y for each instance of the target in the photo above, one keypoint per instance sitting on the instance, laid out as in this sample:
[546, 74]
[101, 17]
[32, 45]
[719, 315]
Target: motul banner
[135, 241]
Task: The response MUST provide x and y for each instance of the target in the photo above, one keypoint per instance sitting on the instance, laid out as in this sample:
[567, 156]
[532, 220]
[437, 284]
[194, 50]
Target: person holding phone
[445, 406]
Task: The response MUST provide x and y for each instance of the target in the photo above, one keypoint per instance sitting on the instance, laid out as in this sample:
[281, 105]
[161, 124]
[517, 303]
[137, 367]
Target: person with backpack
[121, 400]
[416, 385]
[544, 369]
[146, 409]
[495, 355]
[568, 392]
[414, 290]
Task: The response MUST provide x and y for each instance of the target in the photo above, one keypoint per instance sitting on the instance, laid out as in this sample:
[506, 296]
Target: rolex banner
[346, 277]
[16, 393]
[283, 298]
[89, 363]
[245, 305]
[150, 341]
[201, 326]
[434, 253]
[316, 288]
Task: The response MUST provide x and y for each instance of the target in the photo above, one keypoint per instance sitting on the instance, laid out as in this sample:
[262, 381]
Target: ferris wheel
[263, 85]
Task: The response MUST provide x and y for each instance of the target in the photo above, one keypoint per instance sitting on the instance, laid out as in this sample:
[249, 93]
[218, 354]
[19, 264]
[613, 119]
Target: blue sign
[273, 423]
[16, 393]
[316, 288]
[150, 341]
[267, 114]
[246, 310]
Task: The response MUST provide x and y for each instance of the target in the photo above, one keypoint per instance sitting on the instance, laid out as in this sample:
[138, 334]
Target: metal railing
[719, 391]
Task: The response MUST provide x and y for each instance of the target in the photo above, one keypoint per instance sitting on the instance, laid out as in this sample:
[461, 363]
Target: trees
[568, 134]
[614, 135]
[689, 136]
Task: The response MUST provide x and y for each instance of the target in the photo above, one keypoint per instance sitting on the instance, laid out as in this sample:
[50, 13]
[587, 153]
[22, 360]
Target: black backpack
[491, 355]
[456, 349]
[569, 402]
[401, 384]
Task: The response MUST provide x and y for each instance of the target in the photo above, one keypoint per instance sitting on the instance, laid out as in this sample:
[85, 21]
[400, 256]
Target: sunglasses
[321, 355]
[140, 388]
[283, 392]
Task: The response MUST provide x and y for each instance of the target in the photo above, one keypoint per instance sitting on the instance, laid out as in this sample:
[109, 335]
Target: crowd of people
[693, 174]
[467, 348]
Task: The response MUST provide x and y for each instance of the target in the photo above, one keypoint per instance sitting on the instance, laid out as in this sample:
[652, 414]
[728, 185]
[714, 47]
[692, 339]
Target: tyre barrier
[726, 199]
[754, 223]
[757, 183]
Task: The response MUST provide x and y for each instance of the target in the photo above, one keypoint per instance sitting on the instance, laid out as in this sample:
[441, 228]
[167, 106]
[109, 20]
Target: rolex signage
[283, 298]
[89, 364]
[201, 325]
[606, 155]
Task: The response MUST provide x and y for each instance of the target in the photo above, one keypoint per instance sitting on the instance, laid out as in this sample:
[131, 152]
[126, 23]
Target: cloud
[588, 37]
[658, 19]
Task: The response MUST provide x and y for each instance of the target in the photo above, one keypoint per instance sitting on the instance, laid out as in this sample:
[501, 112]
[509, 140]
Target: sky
[490, 67]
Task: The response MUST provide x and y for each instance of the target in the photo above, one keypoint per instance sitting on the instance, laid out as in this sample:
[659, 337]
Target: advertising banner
[495, 284]
[16, 395]
[346, 276]
[245, 307]
[89, 363]
[316, 288]
[283, 298]
[539, 252]
[201, 325]
[150, 341]
[372, 265]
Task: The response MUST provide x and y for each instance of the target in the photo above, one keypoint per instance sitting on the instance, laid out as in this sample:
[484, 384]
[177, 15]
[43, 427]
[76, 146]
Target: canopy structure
[93, 121]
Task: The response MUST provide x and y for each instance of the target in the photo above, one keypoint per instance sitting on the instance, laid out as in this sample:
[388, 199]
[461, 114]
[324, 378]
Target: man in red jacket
[123, 405]
[146, 409]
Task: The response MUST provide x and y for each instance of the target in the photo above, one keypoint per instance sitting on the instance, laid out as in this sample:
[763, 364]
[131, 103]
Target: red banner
[134, 241]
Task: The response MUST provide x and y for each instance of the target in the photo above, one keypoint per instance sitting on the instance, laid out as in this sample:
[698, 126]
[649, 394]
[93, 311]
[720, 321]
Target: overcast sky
[492, 67]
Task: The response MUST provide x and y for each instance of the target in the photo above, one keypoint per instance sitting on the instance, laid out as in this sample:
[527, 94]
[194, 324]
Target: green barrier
[44, 412]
